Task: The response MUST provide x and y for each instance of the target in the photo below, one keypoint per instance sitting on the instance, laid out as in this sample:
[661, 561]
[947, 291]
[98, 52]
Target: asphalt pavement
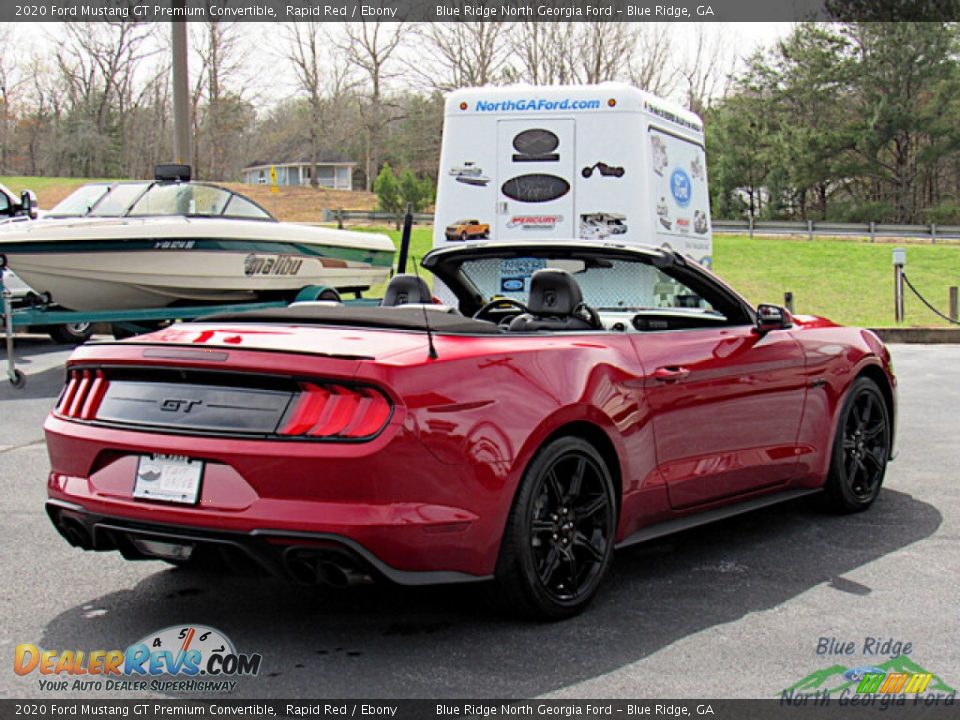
[733, 610]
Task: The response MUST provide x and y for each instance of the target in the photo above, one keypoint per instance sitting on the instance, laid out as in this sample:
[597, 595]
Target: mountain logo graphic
[897, 675]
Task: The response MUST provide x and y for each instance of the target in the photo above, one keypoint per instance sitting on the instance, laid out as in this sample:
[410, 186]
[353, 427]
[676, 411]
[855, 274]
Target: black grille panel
[194, 408]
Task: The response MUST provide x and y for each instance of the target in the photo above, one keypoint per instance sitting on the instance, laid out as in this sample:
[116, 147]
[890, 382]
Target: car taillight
[82, 396]
[336, 411]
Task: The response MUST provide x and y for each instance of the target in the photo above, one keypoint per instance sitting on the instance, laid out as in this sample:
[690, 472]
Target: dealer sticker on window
[515, 273]
[171, 478]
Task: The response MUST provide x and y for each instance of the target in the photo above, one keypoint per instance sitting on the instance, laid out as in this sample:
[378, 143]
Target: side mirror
[771, 317]
[28, 204]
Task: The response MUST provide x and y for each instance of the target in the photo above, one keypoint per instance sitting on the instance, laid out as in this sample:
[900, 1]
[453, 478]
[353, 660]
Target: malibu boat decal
[271, 265]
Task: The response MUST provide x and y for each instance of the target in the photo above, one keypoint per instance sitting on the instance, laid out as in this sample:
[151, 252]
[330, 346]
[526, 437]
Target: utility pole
[182, 146]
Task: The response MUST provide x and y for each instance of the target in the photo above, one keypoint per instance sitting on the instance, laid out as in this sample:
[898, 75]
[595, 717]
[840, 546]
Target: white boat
[134, 245]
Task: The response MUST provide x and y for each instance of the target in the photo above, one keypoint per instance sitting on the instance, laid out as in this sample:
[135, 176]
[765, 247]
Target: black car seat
[405, 289]
[556, 303]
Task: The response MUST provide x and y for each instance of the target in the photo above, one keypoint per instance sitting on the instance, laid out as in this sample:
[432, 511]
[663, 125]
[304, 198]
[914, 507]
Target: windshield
[80, 200]
[196, 200]
[607, 285]
[116, 202]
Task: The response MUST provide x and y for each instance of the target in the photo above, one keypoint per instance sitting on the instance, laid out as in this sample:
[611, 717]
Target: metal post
[751, 226]
[899, 260]
[809, 229]
[182, 145]
[873, 231]
[16, 378]
[788, 301]
[953, 303]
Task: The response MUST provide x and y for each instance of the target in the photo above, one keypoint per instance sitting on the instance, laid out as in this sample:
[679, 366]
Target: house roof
[320, 163]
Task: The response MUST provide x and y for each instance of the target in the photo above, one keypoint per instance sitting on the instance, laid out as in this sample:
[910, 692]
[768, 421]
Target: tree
[370, 48]
[705, 72]
[412, 192]
[652, 68]
[460, 54]
[305, 44]
[388, 191]
[900, 129]
[98, 64]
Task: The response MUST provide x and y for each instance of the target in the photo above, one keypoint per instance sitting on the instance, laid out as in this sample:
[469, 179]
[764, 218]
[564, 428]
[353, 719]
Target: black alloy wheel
[559, 538]
[861, 449]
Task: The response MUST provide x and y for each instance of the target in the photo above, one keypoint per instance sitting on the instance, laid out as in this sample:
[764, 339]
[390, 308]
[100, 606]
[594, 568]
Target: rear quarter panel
[493, 402]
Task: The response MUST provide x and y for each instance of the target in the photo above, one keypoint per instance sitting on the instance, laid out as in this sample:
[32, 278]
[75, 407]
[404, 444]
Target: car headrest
[404, 289]
[553, 293]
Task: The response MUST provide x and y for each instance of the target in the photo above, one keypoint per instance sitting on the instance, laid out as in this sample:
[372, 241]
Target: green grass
[18, 183]
[847, 280]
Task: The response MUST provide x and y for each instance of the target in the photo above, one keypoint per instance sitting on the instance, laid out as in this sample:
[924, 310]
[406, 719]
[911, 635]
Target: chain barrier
[924, 301]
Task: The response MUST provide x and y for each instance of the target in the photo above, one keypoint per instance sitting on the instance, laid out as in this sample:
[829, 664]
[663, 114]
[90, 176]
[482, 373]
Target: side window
[4, 204]
[671, 293]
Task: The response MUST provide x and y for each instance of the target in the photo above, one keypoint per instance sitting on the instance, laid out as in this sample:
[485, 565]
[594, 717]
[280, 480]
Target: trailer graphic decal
[680, 187]
[604, 170]
[535, 188]
[601, 225]
[534, 222]
[535, 145]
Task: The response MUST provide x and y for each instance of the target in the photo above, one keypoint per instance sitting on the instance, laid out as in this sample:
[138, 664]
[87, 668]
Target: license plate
[171, 478]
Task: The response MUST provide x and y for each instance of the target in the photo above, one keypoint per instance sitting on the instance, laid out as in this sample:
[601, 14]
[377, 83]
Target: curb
[919, 336]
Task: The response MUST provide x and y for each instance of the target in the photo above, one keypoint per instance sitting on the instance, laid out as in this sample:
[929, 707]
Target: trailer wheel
[71, 333]
[18, 380]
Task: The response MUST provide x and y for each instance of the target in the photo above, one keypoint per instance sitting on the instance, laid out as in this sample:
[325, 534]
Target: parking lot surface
[736, 609]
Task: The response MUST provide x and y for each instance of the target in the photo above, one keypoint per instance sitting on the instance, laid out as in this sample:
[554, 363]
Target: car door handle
[670, 373]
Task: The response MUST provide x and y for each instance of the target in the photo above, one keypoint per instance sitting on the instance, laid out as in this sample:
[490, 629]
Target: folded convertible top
[393, 318]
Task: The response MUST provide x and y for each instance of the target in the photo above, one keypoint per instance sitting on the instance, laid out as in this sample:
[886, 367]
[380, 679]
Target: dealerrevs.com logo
[180, 658]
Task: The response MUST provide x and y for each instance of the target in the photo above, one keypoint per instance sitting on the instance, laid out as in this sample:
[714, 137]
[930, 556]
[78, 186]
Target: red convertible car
[580, 397]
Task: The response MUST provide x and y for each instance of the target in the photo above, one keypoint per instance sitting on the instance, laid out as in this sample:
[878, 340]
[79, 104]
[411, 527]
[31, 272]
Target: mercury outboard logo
[178, 404]
[271, 265]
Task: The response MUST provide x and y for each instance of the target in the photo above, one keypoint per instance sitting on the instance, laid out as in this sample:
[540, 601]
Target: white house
[337, 175]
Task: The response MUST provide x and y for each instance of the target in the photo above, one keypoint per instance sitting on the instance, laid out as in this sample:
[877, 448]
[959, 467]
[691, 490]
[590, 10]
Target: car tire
[71, 334]
[559, 537]
[861, 448]
[463, 236]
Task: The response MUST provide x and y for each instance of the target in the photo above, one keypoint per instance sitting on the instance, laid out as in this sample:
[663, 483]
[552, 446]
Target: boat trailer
[132, 321]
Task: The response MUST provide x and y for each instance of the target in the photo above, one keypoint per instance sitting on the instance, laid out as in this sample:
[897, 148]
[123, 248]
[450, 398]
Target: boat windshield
[196, 200]
[80, 200]
[116, 202]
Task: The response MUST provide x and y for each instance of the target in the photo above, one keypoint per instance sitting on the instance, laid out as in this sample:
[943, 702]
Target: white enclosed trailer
[602, 161]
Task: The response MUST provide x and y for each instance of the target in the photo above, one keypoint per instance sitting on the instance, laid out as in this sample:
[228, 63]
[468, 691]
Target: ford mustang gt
[570, 398]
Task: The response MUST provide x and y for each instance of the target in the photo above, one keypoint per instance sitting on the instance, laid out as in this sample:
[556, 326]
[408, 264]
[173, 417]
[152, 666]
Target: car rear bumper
[389, 501]
[300, 556]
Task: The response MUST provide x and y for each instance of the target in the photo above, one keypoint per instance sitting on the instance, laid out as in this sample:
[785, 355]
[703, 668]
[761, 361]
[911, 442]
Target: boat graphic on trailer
[151, 244]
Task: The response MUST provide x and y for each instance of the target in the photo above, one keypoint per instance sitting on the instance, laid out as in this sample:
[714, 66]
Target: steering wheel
[499, 306]
[591, 315]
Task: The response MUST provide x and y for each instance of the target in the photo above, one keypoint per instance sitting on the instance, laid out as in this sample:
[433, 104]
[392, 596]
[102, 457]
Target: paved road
[731, 610]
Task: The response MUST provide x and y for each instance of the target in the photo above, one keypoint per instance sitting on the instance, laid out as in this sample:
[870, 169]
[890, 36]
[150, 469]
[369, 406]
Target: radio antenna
[431, 348]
